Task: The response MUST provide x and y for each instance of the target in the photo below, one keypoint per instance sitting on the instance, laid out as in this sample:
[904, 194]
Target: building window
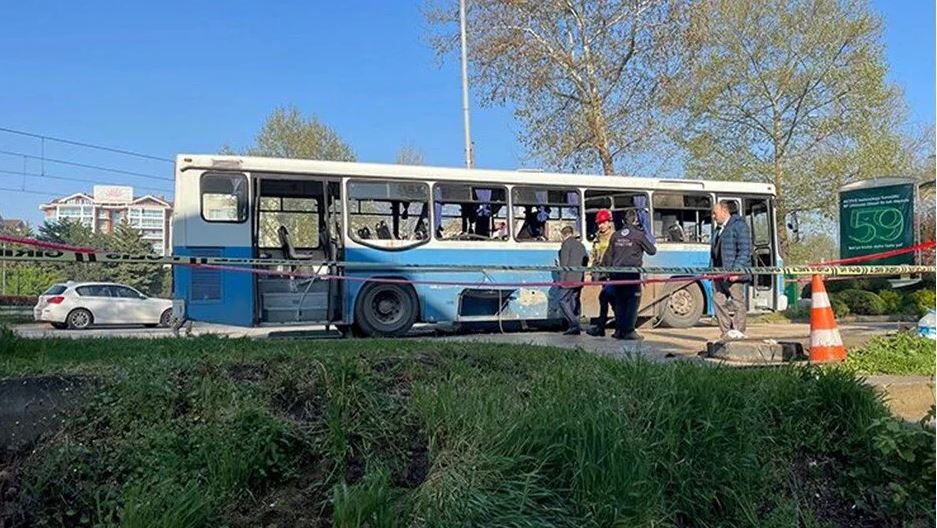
[470, 212]
[224, 197]
[145, 218]
[682, 218]
[300, 216]
[388, 214]
[83, 214]
[618, 202]
[540, 214]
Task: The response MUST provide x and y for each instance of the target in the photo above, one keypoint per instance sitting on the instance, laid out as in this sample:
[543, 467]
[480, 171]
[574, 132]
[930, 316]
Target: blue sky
[169, 77]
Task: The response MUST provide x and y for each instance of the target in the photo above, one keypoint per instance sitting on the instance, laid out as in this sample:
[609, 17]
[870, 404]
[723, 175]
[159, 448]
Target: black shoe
[596, 332]
[632, 336]
[572, 331]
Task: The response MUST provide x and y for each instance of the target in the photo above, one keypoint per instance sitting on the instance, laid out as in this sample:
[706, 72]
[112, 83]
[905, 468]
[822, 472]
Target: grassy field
[224, 432]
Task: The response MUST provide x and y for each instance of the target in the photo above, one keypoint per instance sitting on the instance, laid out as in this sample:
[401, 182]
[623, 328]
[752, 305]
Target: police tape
[107, 257]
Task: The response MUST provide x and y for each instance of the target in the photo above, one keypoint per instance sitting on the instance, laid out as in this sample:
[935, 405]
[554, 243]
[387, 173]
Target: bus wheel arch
[682, 305]
[386, 309]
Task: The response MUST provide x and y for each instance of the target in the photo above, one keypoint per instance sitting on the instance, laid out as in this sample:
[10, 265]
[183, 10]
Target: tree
[148, 278]
[792, 93]
[585, 77]
[409, 154]
[287, 134]
[73, 233]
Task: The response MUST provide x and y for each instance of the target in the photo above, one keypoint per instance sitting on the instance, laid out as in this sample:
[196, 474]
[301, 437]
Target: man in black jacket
[626, 249]
[572, 253]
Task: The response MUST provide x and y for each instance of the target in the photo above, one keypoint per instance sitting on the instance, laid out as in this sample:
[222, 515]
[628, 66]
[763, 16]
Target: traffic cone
[825, 342]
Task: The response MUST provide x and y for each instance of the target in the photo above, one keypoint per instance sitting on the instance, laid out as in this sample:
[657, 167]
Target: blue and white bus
[251, 207]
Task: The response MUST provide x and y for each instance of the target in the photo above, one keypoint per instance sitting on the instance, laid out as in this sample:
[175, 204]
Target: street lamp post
[465, 96]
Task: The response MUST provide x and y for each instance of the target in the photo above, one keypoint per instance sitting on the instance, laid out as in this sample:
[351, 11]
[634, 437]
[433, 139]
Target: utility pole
[465, 95]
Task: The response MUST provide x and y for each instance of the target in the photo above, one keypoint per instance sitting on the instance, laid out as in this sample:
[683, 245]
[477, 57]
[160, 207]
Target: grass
[231, 432]
[903, 353]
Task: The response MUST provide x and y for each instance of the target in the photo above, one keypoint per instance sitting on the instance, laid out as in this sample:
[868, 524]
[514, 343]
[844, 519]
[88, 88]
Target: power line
[85, 166]
[28, 192]
[86, 145]
[83, 180]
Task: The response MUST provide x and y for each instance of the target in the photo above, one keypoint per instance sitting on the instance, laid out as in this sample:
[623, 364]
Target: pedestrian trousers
[627, 302]
[571, 306]
[731, 300]
[606, 299]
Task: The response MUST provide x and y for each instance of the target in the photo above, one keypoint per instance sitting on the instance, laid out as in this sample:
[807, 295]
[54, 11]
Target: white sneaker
[735, 334]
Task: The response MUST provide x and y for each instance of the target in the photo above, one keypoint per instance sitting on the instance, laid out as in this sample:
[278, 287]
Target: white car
[78, 305]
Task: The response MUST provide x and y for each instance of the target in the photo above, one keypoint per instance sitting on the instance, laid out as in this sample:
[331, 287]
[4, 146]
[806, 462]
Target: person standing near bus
[626, 249]
[731, 247]
[604, 230]
[573, 254]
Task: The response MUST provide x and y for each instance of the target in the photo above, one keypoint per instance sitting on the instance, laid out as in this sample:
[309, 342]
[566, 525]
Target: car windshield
[56, 289]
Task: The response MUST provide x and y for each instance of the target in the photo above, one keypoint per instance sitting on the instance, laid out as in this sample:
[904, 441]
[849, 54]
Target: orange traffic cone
[825, 341]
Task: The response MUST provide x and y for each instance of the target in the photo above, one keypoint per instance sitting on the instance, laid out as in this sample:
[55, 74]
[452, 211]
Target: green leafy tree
[148, 278]
[76, 234]
[792, 93]
[584, 77]
[286, 133]
[31, 279]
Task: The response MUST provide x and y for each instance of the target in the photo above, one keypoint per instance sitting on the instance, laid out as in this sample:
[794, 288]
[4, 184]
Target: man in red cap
[605, 227]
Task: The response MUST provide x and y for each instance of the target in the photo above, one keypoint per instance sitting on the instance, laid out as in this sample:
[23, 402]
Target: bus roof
[186, 162]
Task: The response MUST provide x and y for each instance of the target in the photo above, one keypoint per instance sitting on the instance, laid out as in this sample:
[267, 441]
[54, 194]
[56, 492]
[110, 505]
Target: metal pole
[465, 95]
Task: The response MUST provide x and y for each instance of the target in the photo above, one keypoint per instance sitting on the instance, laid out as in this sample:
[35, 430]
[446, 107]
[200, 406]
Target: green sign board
[877, 219]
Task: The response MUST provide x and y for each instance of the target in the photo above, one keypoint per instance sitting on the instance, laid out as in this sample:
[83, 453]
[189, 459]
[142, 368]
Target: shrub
[904, 353]
[874, 284]
[919, 302]
[861, 302]
[18, 300]
[801, 310]
[893, 301]
[840, 308]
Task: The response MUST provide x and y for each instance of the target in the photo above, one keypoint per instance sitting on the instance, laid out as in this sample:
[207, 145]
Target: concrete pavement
[659, 343]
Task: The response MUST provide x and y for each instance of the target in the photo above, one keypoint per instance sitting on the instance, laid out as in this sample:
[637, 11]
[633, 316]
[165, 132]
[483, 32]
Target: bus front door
[758, 215]
[298, 219]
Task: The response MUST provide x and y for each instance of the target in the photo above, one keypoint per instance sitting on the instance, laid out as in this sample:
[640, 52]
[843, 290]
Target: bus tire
[683, 306]
[385, 309]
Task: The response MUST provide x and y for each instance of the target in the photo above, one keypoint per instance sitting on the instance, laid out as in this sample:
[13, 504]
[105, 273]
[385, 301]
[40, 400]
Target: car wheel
[59, 326]
[165, 318]
[683, 306]
[386, 310]
[79, 319]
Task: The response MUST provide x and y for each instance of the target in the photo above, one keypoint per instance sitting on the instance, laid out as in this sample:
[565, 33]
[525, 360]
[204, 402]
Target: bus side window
[388, 214]
[223, 197]
[618, 202]
[682, 218]
[470, 212]
[541, 213]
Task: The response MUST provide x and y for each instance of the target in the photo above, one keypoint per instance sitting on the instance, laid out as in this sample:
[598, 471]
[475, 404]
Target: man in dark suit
[572, 253]
[731, 248]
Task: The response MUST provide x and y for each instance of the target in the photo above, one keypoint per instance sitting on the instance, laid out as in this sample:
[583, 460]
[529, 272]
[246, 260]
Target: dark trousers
[606, 298]
[570, 306]
[627, 301]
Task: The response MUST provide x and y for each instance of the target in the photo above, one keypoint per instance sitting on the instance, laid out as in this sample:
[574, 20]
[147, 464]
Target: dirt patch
[417, 461]
[302, 501]
[33, 407]
[300, 403]
[247, 372]
[815, 481]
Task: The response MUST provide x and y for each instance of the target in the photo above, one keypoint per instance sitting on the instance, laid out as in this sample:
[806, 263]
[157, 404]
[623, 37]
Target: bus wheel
[683, 306]
[386, 310]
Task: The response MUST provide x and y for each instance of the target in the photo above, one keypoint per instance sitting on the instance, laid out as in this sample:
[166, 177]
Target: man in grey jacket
[572, 253]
